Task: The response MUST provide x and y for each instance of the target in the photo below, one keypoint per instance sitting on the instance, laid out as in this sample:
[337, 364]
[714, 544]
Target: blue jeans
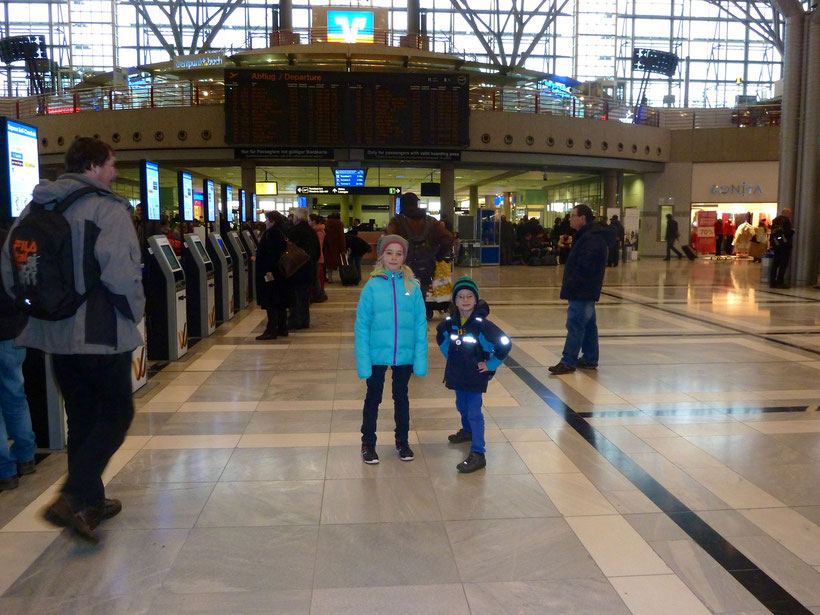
[15, 420]
[468, 403]
[401, 405]
[582, 333]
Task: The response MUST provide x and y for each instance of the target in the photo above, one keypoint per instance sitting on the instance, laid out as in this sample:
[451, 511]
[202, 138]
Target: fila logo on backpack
[42, 261]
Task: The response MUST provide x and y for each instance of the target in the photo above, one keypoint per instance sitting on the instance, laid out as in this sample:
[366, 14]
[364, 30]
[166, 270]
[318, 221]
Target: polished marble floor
[680, 478]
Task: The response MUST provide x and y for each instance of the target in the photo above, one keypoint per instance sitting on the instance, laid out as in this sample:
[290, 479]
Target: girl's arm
[361, 340]
[420, 323]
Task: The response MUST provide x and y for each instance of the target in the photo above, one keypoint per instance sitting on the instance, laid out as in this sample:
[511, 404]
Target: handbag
[292, 259]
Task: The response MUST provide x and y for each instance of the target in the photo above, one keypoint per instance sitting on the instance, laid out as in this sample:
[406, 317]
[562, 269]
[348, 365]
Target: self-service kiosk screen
[186, 196]
[202, 251]
[150, 189]
[169, 254]
[228, 203]
[224, 249]
[210, 201]
[21, 165]
[255, 216]
[243, 213]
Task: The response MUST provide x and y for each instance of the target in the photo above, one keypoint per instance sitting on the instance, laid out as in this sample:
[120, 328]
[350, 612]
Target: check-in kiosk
[165, 302]
[223, 274]
[240, 277]
[250, 247]
[199, 274]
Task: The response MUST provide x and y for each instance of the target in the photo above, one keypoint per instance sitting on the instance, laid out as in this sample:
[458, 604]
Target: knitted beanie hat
[465, 283]
[386, 240]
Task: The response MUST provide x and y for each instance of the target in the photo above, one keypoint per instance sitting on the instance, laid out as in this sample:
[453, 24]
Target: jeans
[468, 403]
[582, 333]
[99, 408]
[401, 405]
[777, 275]
[15, 420]
[670, 247]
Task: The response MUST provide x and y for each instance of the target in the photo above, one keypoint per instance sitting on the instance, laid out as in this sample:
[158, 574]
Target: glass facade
[590, 40]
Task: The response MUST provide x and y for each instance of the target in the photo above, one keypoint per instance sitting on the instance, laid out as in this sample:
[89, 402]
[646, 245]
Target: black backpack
[42, 261]
[778, 237]
[422, 251]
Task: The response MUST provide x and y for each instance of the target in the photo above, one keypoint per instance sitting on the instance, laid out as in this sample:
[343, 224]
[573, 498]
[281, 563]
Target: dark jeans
[670, 247]
[582, 333]
[277, 321]
[299, 306]
[401, 405]
[777, 275]
[614, 254]
[718, 244]
[356, 261]
[99, 408]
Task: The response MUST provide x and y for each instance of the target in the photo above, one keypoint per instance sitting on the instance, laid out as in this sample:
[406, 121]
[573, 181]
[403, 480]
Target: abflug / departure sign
[23, 164]
[336, 109]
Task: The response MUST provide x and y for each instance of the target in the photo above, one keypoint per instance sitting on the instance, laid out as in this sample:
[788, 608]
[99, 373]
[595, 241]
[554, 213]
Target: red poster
[706, 231]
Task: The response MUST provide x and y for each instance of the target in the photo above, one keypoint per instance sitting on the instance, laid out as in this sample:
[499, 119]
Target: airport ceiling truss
[492, 29]
[199, 18]
[755, 14]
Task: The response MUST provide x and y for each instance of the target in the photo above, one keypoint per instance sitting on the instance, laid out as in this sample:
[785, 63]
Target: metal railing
[514, 100]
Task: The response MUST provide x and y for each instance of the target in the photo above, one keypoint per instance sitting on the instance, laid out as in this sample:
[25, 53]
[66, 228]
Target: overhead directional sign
[368, 190]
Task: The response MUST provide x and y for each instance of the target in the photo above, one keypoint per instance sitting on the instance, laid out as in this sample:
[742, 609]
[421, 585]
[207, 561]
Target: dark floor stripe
[706, 321]
[694, 412]
[758, 583]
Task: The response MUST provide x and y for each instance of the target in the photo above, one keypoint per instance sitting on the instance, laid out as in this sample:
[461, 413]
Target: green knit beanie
[465, 283]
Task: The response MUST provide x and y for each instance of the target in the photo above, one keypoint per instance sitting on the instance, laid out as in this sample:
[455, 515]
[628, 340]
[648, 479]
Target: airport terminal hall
[409, 307]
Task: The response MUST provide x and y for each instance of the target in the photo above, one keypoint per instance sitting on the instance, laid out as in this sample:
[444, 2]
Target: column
[448, 190]
[249, 186]
[506, 209]
[610, 191]
[473, 200]
[357, 208]
[344, 209]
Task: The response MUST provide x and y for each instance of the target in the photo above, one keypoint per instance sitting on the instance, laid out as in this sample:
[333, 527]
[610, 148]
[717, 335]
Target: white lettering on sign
[742, 188]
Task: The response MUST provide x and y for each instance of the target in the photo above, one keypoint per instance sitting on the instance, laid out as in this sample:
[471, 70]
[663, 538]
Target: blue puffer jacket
[391, 325]
[465, 345]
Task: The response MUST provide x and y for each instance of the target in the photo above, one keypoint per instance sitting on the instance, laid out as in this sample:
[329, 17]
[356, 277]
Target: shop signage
[283, 152]
[199, 60]
[742, 188]
[350, 26]
[414, 154]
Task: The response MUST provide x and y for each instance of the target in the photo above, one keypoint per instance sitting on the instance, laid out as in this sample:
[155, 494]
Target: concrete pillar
[286, 15]
[610, 189]
[506, 209]
[412, 17]
[473, 200]
[448, 191]
[249, 186]
[344, 209]
[357, 208]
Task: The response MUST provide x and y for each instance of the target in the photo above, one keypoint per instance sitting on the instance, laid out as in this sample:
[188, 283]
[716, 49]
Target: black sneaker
[460, 436]
[369, 454]
[26, 467]
[404, 451]
[474, 461]
[560, 369]
[584, 365]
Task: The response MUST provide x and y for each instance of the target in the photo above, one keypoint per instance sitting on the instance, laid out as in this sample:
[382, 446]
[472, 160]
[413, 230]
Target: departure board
[337, 109]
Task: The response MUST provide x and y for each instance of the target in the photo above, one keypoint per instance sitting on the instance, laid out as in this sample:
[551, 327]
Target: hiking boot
[584, 365]
[8, 483]
[80, 523]
[369, 454]
[474, 461]
[27, 467]
[404, 451]
[460, 436]
[560, 369]
[106, 509]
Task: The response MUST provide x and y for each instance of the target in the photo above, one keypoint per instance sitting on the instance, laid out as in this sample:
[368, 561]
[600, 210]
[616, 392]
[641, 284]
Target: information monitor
[149, 189]
[20, 167]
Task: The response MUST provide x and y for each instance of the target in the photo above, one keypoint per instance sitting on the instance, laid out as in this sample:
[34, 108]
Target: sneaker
[584, 365]
[474, 461]
[7, 483]
[26, 467]
[404, 451]
[460, 436]
[369, 454]
[560, 369]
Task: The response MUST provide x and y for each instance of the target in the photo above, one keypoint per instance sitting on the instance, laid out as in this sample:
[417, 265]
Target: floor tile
[291, 463]
[373, 500]
[565, 596]
[643, 595]
[573, 494]
[488, 496]
[397, 600]
[262, 503]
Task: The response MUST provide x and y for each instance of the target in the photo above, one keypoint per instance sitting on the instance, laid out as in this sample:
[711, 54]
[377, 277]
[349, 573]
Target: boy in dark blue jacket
[474, 348]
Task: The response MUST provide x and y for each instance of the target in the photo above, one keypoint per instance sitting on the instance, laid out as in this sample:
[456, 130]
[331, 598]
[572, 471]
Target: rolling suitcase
[690, 253]
[348, 273]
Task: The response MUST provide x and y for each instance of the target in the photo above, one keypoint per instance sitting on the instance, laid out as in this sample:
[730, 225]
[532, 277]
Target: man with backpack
[72, 262]
[428, 239]
[781, 243]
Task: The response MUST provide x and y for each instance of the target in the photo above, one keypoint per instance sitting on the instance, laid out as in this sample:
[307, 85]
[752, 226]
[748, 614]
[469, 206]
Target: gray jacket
[103, 236]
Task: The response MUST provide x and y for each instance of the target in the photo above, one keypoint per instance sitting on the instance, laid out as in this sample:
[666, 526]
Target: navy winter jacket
[586, 265]
[465, 346]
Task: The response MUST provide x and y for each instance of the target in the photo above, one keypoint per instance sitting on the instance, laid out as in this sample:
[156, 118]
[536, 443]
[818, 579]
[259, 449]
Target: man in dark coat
[271, 286]
[583, 279]
[300, 282]
[672, 235]
[507, 233]
[615, 251]
[334, 241]
[781, 243]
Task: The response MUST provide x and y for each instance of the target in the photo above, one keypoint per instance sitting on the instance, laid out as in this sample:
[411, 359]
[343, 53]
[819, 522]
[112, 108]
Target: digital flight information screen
[21, 164]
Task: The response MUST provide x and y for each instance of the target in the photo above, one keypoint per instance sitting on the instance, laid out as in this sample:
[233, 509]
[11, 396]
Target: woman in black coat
[271, 286]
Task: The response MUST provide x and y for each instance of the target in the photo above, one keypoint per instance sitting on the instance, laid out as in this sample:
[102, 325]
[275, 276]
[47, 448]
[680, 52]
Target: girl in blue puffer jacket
[391, 329]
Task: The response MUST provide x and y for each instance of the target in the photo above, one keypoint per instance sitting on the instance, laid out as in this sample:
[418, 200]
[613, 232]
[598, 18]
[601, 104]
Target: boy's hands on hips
[482, 367]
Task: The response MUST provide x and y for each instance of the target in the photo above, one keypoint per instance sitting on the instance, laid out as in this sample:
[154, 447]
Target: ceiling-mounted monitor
[210, 200]
[20, 166]
[185, 184]
[149, 189]
[349, 177]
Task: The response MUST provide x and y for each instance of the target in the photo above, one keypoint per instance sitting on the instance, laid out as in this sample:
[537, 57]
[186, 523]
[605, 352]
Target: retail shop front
[731, 203]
